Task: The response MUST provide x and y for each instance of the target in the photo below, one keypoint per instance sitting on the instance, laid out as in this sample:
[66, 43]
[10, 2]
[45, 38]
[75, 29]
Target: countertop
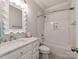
[15, 44]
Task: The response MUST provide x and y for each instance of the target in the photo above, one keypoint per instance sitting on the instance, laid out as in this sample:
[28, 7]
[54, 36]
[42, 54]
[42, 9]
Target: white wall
[33, 11]
[40, 26]
[59, 37]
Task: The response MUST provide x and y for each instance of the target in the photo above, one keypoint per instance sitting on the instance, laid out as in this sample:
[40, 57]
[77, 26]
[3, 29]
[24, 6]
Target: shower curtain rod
[57, 11]
[61, 10]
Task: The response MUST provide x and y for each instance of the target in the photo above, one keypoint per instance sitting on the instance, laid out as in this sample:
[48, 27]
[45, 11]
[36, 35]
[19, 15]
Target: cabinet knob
[21, 53]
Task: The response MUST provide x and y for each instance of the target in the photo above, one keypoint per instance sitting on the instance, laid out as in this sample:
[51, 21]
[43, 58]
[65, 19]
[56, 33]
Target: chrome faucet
[12, 38]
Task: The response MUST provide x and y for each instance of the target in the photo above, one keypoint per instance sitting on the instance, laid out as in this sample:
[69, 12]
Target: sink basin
[10, 43]
[17, 42]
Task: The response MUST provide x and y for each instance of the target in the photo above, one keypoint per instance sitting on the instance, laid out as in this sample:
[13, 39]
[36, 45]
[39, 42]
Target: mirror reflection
[15, 17]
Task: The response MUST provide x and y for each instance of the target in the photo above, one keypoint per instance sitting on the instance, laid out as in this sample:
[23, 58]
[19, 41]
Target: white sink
[17, 42]
[10, 43]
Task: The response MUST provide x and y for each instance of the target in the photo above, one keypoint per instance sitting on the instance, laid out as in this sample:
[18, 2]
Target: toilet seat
[44, 49]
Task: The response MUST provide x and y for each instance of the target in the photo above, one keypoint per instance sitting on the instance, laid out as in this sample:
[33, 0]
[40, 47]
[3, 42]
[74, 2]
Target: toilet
[44, 52]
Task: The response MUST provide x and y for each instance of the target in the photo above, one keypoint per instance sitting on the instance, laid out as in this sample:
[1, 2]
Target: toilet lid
[44, 48]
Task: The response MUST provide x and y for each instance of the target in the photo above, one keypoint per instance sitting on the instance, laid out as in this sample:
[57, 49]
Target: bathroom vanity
[23, 48]
[15, 21]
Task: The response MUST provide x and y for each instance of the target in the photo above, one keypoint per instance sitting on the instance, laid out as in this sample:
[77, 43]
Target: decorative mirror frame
[7, 30]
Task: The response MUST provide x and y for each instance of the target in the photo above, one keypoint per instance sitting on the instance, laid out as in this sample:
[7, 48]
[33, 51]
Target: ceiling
[44, 4]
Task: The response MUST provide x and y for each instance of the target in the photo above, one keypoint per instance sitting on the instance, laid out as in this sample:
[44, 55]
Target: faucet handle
[0, 41]
[5, 40]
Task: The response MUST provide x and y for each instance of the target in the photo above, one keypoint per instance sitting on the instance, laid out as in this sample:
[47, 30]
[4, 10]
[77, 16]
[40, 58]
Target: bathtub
[59, 52]
[65, 55]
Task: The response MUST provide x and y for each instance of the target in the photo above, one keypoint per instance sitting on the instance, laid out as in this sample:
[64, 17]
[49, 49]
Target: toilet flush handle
[74, 50]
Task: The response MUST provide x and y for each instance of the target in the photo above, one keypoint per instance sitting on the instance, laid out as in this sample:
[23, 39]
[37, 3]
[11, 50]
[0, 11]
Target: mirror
[15, 17]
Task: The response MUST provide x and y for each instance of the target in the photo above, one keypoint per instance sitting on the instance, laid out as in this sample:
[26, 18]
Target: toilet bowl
[44, 51]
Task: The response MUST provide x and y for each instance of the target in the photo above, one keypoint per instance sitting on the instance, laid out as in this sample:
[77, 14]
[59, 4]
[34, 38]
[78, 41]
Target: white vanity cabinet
[36, 50]
[21, 53]
[28, 51]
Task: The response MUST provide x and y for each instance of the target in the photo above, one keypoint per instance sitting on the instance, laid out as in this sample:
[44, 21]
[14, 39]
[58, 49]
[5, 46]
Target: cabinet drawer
[26, 49]
[27, 56]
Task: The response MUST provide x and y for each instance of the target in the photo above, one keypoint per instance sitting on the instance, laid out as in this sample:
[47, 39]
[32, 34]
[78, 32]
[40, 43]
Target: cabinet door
[26, 56]
[12, 55]
[36, 55]
[35, 46]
